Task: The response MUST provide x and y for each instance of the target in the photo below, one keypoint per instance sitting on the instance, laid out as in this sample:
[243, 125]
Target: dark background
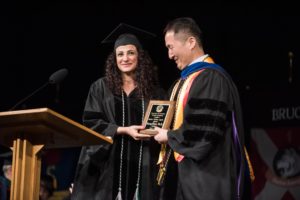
[251, 40]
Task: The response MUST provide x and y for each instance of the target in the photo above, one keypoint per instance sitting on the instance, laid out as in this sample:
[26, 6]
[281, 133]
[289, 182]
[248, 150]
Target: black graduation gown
[97, 176]
[209, 169]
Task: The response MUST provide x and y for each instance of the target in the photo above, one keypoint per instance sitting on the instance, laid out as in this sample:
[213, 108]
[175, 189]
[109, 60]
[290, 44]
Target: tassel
[136, 194]
[161, 175]
[162, 154]
[119, 196]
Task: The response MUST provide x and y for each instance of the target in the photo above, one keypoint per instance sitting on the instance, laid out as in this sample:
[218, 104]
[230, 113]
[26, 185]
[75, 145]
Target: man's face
[178, 49]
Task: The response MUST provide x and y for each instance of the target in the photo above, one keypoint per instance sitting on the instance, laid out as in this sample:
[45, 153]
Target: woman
[115, 107]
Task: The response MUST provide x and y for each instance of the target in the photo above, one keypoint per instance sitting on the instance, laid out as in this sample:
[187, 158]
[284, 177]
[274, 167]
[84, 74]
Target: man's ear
[192, 42]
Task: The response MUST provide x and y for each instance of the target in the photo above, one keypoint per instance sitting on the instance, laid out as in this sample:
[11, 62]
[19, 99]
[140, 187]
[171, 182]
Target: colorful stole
[180, 104]
[182, 99]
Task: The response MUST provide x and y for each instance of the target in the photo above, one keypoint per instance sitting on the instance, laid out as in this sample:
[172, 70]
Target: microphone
[55, 78]
[58, 76]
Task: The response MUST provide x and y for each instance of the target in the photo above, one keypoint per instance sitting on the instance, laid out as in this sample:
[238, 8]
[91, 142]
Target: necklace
[119, 196]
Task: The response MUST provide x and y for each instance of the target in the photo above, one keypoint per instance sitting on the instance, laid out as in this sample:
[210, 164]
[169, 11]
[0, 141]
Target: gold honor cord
[163, 158]
[252, 176]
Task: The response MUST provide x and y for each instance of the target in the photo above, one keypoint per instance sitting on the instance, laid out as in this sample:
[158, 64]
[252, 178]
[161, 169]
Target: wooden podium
[27, 132]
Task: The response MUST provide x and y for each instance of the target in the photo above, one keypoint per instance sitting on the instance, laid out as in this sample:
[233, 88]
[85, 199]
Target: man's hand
[162, 136]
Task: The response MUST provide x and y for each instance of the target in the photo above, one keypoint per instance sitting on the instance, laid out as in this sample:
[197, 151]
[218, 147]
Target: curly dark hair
[145, 74]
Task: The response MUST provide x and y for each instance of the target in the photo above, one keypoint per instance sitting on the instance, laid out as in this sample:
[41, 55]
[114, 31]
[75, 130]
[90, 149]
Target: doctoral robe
[210, 166]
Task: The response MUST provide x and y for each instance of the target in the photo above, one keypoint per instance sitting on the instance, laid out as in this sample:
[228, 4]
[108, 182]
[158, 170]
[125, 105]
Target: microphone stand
[55, 78]
[34, 92]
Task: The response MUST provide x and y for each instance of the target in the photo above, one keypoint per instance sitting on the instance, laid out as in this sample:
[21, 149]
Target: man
[47, 187]
[207, 133]
[5, 180]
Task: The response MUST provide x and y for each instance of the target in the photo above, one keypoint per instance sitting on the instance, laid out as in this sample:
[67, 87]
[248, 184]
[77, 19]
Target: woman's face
[127, 58]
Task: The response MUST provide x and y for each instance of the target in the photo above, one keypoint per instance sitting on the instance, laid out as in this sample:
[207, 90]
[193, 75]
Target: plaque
[158, 114]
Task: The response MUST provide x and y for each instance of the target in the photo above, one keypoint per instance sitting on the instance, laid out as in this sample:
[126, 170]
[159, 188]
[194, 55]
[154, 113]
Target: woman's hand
[133, 131]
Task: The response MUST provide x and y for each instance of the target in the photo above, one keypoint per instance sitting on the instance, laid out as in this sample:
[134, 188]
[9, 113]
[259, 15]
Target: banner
[275, 155]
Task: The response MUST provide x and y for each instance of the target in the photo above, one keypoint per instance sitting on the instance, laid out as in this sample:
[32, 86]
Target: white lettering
[287, 113]
[275, 115]
[290, 113]
[297, 113]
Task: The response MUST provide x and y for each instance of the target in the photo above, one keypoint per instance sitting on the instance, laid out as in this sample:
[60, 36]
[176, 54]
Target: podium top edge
[34, 110]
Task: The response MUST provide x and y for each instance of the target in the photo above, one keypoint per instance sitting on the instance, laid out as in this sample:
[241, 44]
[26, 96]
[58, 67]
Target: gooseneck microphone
[55, 78]
[58, 76]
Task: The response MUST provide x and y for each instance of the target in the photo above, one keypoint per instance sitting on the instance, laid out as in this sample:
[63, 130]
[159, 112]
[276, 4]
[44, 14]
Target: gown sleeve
[204, 120]
[99, 109]
[98, 115]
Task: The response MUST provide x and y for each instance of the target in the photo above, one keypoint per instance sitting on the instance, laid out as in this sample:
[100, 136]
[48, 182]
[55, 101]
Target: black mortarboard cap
[125, 34]
[6, 158]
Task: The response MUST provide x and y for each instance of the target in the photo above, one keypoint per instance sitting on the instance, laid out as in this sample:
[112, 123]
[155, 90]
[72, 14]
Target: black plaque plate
[158, 114]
